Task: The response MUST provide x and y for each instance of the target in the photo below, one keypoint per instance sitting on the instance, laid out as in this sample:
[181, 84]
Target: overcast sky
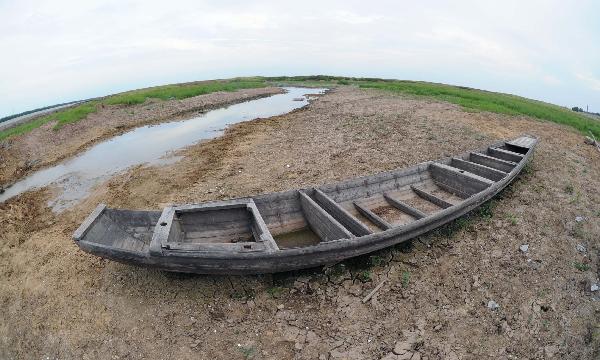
[57, 51]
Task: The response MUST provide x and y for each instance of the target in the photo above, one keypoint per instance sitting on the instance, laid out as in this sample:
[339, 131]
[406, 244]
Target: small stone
[492, 305]
[550, 351]
[437, 327]
[581, 248]
[524, 248]
[402, 347]
[594, 287]
[390, 356]
[280, 307]
[579, 219]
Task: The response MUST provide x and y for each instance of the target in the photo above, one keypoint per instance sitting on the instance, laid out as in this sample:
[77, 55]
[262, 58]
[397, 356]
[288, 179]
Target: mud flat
[61, 303]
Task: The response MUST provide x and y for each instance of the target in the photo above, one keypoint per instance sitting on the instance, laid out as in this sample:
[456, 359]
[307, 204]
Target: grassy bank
[469, 99]
[167, 92]
[472, 99]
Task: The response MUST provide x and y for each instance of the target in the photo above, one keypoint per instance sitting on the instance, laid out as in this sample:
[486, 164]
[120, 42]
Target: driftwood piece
[373, 292]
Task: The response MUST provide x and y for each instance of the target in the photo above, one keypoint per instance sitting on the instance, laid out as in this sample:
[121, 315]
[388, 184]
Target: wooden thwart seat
[505, 154]
[322, 223]
[478, 169]
[404, 207]
[376, 219]
[492, 162]
[461, 180]
[344, 217]
[431, 198]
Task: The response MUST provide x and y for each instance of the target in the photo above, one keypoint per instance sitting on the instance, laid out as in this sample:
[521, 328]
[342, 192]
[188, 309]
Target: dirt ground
[59, 302]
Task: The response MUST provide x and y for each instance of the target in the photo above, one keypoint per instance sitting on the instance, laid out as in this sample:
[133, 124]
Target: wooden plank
[416, 213]
[523, 141]
[341, 215]
[323, 224]
[505, 154]
[373, 217]
[431, 198]
[492, 162]
[459, 179]
[478, 169]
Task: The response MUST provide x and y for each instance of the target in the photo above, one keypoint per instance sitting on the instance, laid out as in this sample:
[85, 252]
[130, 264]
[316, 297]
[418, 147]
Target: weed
[581, 266]
[486, 211]
[275, 291]
[569, 189]
[364, 276]
[598, 213]
[248, 352]
[376, 260]
[512, 218]
[578, 231]
[343, 82]
[405, 279]
[575, 199]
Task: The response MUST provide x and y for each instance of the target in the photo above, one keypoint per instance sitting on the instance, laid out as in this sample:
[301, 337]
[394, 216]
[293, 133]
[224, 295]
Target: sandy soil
[45, 146]
[59, 302]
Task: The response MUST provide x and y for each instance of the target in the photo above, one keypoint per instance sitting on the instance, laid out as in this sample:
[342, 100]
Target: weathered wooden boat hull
[251, 235]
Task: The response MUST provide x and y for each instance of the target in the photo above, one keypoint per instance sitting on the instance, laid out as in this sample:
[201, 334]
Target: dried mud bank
[61, 303]
[44, 146]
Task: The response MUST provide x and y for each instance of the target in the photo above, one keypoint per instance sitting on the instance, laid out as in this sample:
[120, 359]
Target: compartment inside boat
[297, 238]
[125, 229]
[213, 225]
[295, 220]
[230, 224]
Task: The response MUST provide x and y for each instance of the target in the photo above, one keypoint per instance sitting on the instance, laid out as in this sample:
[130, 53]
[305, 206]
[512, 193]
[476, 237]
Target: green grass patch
[179, 92]
[182, 91]
[62, 118]
[479, 100]
[581, 266]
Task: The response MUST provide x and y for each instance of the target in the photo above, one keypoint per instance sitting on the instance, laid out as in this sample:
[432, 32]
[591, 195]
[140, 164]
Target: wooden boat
[307, 227]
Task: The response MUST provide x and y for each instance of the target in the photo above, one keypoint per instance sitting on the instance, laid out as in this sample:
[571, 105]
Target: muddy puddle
[149, 145]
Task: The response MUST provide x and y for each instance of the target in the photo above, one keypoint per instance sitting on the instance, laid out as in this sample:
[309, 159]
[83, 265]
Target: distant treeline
[10, 117]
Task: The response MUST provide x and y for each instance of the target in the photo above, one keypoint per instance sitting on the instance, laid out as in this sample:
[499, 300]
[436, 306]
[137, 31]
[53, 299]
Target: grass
[468, 98]
[479, 100]
[275, 291]
[169, 92]
[79, 112]
[581, 266]
[62, 118]
[405, 279]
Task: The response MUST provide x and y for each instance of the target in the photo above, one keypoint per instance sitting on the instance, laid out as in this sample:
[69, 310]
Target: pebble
[524, 248]
[437, 327]
[280, 307]
[492, 305]
[594, 287]
[581, 248]
[579, 218]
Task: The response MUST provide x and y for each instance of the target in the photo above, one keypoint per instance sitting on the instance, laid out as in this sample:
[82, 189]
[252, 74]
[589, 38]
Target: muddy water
[149, 145]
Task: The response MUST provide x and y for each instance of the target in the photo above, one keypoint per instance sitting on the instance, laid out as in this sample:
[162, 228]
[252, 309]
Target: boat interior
[308, 217]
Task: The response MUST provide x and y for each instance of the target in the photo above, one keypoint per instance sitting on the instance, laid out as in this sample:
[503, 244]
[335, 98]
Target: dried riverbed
[61, 303]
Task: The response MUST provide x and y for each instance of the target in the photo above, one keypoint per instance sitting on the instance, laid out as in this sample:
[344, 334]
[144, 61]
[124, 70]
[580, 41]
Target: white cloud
[589, 79]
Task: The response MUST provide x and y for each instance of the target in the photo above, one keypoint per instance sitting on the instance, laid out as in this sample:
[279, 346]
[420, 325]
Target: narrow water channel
[149, 145]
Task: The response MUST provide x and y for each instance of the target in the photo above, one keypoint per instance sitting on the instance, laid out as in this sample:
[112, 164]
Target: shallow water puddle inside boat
[149, 145]
[299, 238]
